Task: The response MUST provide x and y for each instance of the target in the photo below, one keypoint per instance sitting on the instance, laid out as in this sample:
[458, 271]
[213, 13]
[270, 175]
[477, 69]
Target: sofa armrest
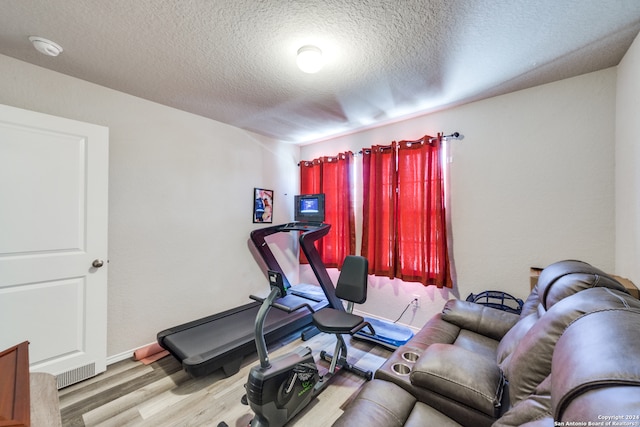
[461, 375]
[487, 321]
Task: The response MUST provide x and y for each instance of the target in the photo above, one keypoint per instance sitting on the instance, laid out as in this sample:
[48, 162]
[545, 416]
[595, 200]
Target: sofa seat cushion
[423, 414]
[477, 343]
[384, 404]
[460, 375]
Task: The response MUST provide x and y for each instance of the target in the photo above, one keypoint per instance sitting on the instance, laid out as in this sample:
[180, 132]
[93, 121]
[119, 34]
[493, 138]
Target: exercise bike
[278, 389]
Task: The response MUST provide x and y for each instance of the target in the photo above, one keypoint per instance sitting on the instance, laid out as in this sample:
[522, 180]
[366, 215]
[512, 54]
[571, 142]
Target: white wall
[627, 162]
[180, 201]
[532, 183]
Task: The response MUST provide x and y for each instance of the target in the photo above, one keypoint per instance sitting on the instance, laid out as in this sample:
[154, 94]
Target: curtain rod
[454, 135]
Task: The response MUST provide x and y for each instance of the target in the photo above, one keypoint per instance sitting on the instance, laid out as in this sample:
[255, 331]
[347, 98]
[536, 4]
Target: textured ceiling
[234, 60]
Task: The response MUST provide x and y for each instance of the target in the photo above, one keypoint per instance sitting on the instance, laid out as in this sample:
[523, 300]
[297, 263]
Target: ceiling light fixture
[309, 59]
[45, 46]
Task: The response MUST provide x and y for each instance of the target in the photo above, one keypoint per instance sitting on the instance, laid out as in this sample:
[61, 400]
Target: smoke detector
[45, 46]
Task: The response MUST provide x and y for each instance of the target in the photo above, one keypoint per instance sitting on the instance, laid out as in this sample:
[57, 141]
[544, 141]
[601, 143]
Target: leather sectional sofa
[572, 357]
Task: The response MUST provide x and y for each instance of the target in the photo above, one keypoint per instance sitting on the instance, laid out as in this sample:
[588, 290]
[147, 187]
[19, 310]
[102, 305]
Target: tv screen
[309, 208]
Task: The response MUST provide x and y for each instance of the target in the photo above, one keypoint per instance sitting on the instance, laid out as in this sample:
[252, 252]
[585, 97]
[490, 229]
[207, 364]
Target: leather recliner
[470, 361]
[594, 378]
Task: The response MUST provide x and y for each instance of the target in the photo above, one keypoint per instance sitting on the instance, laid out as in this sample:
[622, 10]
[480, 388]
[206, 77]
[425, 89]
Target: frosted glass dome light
[309, 59]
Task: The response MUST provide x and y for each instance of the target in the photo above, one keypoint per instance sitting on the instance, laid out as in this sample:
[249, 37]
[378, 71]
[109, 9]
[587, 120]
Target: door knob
[97, 263]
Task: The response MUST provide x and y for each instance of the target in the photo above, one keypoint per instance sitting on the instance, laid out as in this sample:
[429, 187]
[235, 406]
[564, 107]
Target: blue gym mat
[390, 335]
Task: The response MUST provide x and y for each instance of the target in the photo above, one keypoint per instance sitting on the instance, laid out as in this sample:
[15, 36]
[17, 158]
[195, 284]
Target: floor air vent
[76, 375]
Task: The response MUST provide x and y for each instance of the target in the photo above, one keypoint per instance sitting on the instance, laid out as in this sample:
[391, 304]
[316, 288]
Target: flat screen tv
[309, 208]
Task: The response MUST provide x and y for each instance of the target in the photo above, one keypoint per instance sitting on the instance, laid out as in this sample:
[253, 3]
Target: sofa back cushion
[530, 361]
[511, 339]
[548, 276]
[531, 303]
[575, 282]
[564, 278]
[479, 318]
[556, 282]
[596, 369]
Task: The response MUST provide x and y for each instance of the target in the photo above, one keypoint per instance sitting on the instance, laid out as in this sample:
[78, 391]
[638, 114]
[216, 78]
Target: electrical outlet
[415, 302]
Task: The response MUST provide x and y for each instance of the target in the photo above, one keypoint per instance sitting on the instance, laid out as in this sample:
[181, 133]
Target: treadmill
[224, 339]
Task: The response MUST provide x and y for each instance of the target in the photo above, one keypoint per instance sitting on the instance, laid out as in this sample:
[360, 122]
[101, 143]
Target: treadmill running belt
[223, 339]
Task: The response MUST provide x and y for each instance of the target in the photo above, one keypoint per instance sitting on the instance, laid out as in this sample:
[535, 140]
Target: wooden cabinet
[14, 386]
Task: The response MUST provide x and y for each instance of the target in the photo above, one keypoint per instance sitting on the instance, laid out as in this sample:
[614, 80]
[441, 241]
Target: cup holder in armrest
[401, 369]
[410, 356]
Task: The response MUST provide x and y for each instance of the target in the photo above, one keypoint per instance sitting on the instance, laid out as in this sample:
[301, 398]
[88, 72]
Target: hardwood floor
[130, 393]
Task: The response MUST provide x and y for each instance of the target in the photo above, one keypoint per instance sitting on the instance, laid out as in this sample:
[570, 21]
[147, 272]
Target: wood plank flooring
[161, 394]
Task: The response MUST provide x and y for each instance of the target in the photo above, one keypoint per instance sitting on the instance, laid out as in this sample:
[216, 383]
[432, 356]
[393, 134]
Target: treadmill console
[275, 281]
[302, 226]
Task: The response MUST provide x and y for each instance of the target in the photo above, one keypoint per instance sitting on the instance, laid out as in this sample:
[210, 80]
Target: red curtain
[332, 176]
[336, 185]
[378, 210]
[404, 222]
[310, 177]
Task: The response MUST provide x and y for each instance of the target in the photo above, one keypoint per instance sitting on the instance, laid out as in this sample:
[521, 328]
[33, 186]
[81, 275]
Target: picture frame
[262, 205]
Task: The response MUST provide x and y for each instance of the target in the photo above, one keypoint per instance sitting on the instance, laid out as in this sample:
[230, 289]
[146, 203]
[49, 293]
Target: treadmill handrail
[261, 344]
[311, 233]
[283, 307]
[307, 243]
[292, 309]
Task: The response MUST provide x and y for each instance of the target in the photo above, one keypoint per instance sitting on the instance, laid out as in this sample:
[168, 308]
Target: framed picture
[262, 205]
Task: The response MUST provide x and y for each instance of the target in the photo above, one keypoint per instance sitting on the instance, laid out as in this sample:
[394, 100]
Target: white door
[53, 241]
